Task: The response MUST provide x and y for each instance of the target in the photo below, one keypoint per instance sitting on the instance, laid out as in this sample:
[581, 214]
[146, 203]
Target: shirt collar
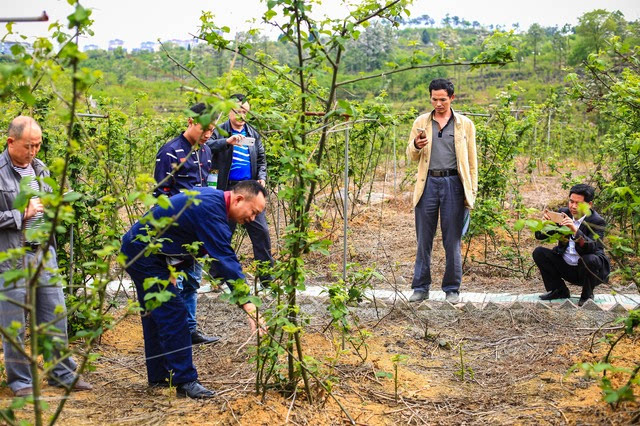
[452, 118]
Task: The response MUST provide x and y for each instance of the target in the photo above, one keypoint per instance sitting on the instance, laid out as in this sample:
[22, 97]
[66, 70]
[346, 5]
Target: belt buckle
[32, 246]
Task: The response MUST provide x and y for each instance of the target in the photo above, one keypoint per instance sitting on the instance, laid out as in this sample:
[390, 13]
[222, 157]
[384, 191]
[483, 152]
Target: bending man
[167, 339]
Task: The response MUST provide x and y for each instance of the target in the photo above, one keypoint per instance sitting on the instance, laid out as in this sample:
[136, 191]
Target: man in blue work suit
[238, 162]
[183, 164]
[166, 333]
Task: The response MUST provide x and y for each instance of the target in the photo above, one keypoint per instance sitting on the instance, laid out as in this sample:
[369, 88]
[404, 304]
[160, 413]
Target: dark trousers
[258, 231]
[167, 341]
[555, 271]
[442, 196]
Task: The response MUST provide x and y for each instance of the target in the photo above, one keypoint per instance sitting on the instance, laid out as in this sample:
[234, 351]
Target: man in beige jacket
[444, 145]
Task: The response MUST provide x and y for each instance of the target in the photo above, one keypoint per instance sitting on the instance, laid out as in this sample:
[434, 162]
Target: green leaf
[384, 375]
[290, 328]
[71, 196]
[164, 202]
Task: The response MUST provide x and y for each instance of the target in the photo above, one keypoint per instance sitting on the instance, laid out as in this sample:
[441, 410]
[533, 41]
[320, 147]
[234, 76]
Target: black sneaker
[194, 390]
[197, 338]
[559, 293]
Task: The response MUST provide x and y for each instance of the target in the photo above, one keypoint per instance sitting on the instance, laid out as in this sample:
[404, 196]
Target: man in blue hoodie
[201, 218]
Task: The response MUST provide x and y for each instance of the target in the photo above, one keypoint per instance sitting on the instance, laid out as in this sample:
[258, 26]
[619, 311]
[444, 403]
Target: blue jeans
[49, 297]
[188, 287]
[442, 196]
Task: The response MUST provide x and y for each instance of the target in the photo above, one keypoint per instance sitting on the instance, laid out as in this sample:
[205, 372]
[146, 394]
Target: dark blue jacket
[206, 222]
[223, 154]
[193, 171]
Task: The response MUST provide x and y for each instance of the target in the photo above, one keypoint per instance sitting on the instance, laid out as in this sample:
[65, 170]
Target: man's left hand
[262, 182]
[568, 222]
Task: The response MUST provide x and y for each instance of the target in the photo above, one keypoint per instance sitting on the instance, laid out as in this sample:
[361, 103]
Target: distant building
[180, 43]
[5, 46]
[184, 43]
[89, 47]
[148, 46]
[114, 44]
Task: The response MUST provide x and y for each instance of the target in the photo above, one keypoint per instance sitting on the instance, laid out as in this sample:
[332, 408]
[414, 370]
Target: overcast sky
[135, 21]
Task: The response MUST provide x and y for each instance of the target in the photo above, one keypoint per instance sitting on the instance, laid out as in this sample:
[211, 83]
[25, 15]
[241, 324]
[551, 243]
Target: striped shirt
[24, 172]
[241, 161]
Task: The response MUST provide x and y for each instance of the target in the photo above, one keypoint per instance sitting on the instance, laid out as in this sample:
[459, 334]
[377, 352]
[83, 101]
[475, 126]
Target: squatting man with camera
[579, 256]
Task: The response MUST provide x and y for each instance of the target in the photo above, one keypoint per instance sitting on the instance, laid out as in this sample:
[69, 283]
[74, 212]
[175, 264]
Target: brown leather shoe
[23, 392]
[80, 385]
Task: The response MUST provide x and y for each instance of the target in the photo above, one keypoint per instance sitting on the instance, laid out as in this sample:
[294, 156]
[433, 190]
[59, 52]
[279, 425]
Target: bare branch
[415, 67]
[183, 67]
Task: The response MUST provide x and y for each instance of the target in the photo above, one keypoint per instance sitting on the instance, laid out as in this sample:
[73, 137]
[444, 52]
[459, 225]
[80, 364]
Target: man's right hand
[34, 207]
[235, 139]
[420, 141]
[260, 326]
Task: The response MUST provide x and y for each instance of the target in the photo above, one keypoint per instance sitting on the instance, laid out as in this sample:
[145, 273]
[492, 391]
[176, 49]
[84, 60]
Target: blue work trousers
[167, 341]
[442, 196]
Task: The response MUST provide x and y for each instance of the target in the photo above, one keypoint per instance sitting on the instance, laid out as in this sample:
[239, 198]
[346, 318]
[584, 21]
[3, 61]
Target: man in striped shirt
[183, 164]
[18, 162]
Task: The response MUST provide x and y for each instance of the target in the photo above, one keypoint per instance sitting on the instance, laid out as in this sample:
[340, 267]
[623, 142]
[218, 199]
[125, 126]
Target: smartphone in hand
[421, 133]
[556, 216]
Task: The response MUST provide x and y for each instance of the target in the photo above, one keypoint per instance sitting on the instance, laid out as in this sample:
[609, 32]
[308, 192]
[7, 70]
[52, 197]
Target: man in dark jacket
[167, 344]
[19, 162]
[579, 256]
[237, 161]
[184, 164]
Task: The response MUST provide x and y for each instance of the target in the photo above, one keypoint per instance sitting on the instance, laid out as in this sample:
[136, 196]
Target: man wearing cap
[184, 164]
[443, 143]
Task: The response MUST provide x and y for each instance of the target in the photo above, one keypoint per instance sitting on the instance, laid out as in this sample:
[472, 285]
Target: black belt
[32, 246]
[443, 173]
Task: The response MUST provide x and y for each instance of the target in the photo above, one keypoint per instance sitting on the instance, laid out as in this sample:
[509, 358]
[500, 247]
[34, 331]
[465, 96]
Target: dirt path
[516, 365]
